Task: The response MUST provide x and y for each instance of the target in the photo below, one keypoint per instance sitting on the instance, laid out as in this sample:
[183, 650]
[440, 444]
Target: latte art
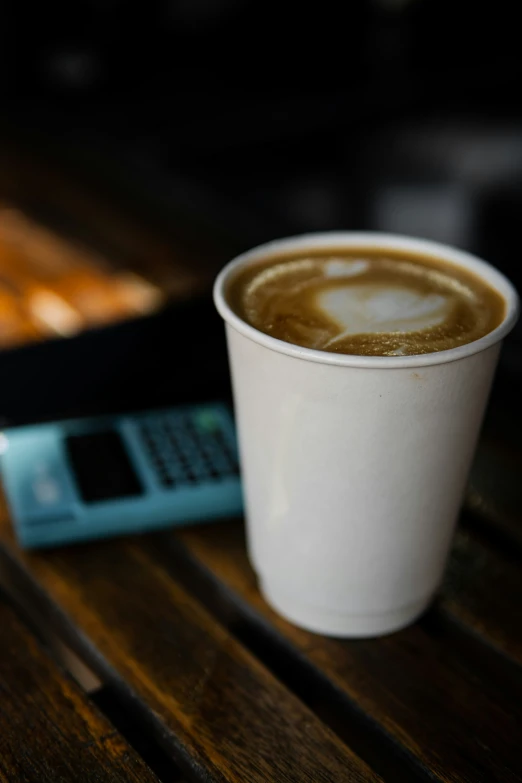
[371, 302]
[371, 309]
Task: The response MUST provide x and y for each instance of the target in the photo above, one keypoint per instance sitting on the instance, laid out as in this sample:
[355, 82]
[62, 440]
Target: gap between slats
[103, 697]
[254, 629]
[25, 581]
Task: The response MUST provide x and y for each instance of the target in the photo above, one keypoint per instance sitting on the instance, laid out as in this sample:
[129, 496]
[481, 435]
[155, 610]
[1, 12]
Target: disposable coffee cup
[354, 467]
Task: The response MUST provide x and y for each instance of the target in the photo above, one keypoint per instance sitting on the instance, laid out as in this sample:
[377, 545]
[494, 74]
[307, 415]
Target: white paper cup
[354, 467]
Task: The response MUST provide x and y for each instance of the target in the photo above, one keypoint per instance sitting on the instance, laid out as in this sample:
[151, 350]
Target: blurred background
[141, 146]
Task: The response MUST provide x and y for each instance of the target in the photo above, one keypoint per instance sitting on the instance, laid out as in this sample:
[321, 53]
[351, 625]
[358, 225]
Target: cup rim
[375, 240]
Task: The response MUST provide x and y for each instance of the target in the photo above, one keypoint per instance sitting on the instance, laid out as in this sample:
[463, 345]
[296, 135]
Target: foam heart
[371, 308]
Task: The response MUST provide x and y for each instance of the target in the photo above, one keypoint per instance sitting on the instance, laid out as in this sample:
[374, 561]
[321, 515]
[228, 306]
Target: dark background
[223, 123]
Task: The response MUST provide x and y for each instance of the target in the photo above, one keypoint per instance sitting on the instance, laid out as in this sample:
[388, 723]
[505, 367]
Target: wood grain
[483, 591]
[495, 489]
[49, 731]
[448, 706]
[214, 706]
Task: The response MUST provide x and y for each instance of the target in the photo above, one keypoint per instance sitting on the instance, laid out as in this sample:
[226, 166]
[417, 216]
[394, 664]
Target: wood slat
[219, 711]
[495, 489]
[456, 714]
[483, 591]
[49, 731]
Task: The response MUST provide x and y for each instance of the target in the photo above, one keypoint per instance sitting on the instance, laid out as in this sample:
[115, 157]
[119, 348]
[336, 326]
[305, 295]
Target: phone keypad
[188, 448]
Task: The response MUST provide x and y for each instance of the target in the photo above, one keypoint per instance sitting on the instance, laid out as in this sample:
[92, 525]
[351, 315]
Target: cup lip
[375, 240]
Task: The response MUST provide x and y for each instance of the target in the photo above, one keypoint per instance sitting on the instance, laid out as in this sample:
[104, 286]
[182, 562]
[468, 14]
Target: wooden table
[201, 681]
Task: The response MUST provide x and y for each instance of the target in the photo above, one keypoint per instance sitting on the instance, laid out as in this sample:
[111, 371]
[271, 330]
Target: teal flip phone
[90, 478]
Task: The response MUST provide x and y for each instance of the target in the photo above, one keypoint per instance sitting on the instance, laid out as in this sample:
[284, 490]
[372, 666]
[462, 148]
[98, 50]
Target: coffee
[371, 302]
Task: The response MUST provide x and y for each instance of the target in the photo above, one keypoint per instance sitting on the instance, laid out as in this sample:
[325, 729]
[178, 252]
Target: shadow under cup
[354, 467]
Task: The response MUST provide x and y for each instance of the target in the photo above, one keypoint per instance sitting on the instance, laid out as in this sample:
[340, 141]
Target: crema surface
[366, 302]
